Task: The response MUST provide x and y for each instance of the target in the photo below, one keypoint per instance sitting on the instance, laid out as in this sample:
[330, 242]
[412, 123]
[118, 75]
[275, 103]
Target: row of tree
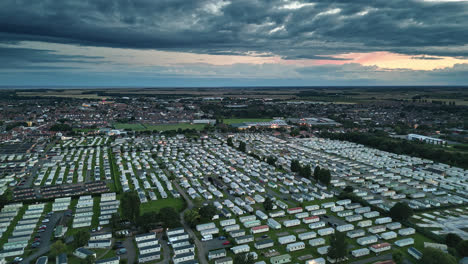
[321, 175]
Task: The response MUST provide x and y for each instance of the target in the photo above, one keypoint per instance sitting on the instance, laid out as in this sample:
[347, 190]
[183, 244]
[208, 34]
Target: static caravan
[210, 231]
[360, 252]
[415, 253]
[323, 250]
[253, 223]
[383, 220]
[317, 242]
[279, 213]
[364, 223]
[273, 223]
[287, 239]
[307, 235]
[367, 240]
[240, 249]
[317, 225]
[343, 202]
[227, 260]
[377, 229]
[259, 229]
[237, 233]
[404, 242]
[286, 258]
[206, 226]
[355, 233]
[337, 209]
[377, 248]
[310, 219]
[318, 212]
[406, 231]
[301, 215]
[244, 239]
[353, 218]
[230, 228]
[345, 227]
[312, 207]
[295, 210]
[227, 222]
[261, 215]
[345, 213]
[326, 231]
[371, 214]
[247, 218]
[388, 235]
[293, 222]
[328, 205]
[393, 225]
[362, 210]
[295, 246]
[316, 261]
[264, 243]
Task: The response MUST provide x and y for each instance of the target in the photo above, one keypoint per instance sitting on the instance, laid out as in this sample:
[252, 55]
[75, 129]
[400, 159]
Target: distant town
[234, 175]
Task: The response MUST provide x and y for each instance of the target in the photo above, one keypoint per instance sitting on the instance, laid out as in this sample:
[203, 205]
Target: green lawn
[176, 203]
[137, 127]
[242, 120]
[164, 127]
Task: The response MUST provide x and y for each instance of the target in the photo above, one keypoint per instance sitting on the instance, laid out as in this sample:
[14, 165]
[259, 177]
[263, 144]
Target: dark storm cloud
[274, 26]
[27, 59]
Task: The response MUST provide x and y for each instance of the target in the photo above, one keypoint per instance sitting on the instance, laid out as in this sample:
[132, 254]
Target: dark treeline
[400, 146]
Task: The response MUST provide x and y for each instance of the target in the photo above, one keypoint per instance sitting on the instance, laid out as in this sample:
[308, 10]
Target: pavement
[46, 236]
[201, 249]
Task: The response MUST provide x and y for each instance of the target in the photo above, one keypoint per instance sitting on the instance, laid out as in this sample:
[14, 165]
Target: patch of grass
[136, 127]
[242, 120]
[177, 203]
[165, 127]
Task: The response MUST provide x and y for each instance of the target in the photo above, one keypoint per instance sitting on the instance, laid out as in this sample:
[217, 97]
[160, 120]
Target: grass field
[177, 203]
[165, 127]
[242, 120]
[136, 127]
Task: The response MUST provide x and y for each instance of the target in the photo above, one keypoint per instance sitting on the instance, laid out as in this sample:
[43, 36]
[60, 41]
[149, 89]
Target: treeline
[398, 146]
[320, 174]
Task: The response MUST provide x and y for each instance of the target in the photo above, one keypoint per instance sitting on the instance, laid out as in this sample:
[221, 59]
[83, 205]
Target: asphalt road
[201, 249]
[46, 236]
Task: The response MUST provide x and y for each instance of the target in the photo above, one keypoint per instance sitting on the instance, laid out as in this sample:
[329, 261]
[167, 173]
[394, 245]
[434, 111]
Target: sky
[191, 43]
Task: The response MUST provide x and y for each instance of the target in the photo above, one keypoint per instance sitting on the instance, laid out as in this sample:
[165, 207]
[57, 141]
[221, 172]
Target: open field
[177, 203]
[242, 120]
[165, 127]
[136, 127]
[459, 95]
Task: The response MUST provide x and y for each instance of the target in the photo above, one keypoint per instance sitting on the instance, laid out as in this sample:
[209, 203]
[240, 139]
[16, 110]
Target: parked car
[226, 243]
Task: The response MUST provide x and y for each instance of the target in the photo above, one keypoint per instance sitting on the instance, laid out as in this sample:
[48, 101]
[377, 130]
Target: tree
[401, 211]
[436, 256]
[89, 259]
[462, 248]
[169, 217]
[5, 198]
[295, 166]
[305, 171]
[130, 205]
[191, 217]
[242, 146]
[80, 238]
[317, 173]
[229, 142]
[271, 160]
[244, 258]
[338, 247]
[325, 176]
[207, 212]
[57, 248]
[148, 220]
[452, 240]
[348, 189]
[268, 204]
[115, 220]
[397, 256]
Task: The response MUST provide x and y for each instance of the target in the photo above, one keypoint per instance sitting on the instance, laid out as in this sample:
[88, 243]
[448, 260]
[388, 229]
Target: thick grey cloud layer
[292, 29]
